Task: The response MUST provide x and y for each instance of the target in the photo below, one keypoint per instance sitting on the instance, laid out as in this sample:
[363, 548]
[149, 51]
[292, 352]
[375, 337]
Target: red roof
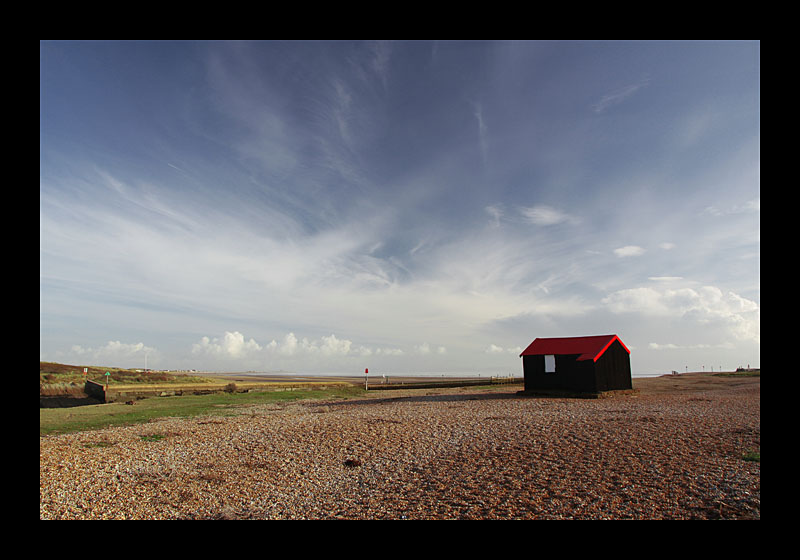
[588, 347]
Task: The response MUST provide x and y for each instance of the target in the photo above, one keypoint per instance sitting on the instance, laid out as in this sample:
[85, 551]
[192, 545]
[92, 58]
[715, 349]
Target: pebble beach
[663, 452]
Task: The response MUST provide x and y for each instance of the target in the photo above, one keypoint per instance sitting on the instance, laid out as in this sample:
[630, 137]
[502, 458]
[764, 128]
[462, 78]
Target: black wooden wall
[570, 375]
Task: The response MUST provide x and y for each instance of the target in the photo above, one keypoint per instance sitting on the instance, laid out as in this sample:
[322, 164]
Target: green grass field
[93, 417]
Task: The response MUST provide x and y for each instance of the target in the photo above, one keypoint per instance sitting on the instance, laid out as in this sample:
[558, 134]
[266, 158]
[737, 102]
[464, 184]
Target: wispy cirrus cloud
[543, 215]
[483, 132]
[618, 96]
[748, 207]
[496, 212]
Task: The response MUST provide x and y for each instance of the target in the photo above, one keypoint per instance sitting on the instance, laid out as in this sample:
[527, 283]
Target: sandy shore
[673, 450]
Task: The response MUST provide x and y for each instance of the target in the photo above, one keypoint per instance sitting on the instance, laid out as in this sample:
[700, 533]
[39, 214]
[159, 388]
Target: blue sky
[413, 206]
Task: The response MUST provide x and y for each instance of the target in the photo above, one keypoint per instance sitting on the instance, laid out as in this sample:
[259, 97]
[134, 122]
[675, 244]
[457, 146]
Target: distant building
[584, 364]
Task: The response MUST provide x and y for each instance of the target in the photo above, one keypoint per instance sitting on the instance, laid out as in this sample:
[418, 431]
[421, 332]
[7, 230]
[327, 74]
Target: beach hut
[583, 364]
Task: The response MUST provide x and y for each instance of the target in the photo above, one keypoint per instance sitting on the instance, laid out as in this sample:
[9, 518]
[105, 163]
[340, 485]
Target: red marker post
[366, 377]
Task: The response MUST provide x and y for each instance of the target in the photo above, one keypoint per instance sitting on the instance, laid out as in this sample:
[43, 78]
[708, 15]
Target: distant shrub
[230, 388]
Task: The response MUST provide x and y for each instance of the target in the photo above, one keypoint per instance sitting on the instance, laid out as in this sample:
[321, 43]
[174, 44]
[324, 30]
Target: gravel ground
[443, 454]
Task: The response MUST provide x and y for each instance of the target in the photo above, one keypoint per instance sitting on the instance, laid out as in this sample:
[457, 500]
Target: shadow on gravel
[426, 398]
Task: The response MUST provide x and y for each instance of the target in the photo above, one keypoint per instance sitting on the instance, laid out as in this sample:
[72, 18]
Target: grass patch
[756, 373]
[754, 456]
[95, 417]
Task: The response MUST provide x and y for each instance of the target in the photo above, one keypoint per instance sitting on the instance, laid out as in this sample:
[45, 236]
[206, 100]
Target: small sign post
[108, 374]
[366, 377]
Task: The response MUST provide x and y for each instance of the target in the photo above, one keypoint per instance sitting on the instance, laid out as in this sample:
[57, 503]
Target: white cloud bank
[706, 305]
[232, 344]
[292, 352]
[495, 349]
[112, 353]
